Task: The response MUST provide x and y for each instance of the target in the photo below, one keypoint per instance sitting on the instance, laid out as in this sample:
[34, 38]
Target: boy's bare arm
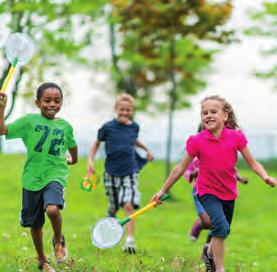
[3, 102]
[93, 150]
[73, 151]
[149, 154]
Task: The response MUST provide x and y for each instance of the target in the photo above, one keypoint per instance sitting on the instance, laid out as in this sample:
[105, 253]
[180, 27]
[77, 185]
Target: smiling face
[213, 117]
[50, 102]
[124, 111]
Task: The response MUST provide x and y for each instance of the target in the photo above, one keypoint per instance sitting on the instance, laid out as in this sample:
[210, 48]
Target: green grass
[161, 234]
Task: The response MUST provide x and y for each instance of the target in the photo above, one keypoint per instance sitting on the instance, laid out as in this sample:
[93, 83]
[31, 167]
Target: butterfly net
[107, 233]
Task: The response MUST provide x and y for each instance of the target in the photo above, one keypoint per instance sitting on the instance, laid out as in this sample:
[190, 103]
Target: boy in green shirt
[47, 140]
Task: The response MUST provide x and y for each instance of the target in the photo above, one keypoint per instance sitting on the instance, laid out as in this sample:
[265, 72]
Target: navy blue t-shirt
[121, 156]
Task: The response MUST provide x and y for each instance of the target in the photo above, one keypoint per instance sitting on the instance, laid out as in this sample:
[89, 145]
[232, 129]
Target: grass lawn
[161, 234]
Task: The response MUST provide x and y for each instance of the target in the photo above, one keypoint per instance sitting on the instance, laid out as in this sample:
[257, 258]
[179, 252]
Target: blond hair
[125, 97]
[231, 121]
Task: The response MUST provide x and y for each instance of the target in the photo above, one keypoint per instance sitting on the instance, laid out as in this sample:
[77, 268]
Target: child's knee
[206, 224]
[52, 210]
[206, 221]
[222, 229]
[128, 207]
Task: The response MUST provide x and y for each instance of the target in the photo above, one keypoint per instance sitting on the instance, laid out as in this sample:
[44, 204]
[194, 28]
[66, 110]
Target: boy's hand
[149, 156]
[3, 100]
[68, 158]
[270, 181]
[90, 171]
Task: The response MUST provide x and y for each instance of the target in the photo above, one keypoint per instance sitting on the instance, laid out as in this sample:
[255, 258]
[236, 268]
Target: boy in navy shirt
[122, 162]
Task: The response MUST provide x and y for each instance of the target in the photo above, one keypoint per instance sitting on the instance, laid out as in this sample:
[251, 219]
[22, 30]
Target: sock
[129, 238]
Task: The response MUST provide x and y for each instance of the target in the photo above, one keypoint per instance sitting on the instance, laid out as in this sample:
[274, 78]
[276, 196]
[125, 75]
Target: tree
[163, 50]
[266, 21]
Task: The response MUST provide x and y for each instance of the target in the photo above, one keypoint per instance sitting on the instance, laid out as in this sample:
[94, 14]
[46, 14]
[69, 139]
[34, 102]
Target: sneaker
[46, 267]
[60, 250]
[110, 215]
[195, 230]
[209, 262]
[129, 246]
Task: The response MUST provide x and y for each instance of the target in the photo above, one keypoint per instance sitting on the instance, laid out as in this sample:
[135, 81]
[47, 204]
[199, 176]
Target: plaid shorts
[121, 190]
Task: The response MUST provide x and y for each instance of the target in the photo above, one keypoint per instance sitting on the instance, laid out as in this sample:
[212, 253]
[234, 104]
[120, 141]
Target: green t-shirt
[46, 141]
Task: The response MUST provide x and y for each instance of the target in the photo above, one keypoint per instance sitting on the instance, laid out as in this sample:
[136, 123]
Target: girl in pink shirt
[216, 149]
[203, 220]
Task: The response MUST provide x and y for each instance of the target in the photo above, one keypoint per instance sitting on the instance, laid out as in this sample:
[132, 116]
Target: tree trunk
[172, 106]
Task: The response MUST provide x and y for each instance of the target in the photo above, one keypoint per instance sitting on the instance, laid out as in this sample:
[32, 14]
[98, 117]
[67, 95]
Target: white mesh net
[19, 46]
[107, 233]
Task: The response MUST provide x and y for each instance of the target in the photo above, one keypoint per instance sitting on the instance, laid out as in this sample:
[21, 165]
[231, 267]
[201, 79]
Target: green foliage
[60, 29]
[163, 50]
[162, 41]
[161, 234]
[266, 27]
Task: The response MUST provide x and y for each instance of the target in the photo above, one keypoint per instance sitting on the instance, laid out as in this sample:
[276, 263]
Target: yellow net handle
[4, 87]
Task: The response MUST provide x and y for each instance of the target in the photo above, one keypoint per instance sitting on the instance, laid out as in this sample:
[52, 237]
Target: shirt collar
[210, 136]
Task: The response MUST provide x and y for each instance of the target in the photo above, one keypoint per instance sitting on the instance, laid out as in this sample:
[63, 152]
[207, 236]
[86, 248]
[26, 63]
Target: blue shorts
[198, 206]
[221, 214]
[34, 203]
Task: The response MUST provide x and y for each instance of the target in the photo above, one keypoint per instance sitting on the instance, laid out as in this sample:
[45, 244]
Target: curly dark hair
[47, 85]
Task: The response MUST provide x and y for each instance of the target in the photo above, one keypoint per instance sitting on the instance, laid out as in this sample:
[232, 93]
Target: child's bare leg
[37, 237]
[55, 217]
[53, 212]
[206, 221]
[129, 245]
[216, 249]
[111, 213]
[129, 209]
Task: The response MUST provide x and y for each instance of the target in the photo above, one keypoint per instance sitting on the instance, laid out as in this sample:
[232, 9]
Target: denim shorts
[198, 206]
[220, 212]
[34, 203]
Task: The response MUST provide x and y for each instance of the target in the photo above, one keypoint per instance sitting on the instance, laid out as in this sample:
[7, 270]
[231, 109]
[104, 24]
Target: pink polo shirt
[217, 161]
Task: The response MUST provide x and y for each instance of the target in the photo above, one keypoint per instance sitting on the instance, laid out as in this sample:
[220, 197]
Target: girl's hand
[149, 156]
[157, 196]
[270, 181]
[3, 100]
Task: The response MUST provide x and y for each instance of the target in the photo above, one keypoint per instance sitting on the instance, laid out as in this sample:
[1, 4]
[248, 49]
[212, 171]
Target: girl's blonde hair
[231, 122]
[126, 98]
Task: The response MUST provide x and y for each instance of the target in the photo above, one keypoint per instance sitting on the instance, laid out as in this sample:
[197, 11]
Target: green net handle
[164, 197]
